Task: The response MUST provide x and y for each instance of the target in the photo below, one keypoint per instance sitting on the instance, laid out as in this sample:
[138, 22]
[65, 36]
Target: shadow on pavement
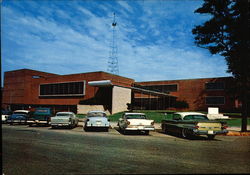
[131, 132]
[189, 137]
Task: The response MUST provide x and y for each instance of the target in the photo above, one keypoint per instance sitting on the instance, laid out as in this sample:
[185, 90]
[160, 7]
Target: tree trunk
[244, 112]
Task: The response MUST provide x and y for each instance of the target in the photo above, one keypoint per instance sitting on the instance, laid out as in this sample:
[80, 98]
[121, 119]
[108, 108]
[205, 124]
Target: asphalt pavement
[42, 150]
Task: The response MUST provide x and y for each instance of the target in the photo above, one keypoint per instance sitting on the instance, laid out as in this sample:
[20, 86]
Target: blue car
[17, 118]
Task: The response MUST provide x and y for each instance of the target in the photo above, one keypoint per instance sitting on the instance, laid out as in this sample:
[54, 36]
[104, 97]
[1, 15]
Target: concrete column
[120, 97]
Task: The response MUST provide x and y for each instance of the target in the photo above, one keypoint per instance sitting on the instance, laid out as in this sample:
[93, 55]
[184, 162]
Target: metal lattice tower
[113, 60]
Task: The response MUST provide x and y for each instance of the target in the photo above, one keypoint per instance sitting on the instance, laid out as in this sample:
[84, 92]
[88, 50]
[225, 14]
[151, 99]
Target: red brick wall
[193, 92]
[21, 88]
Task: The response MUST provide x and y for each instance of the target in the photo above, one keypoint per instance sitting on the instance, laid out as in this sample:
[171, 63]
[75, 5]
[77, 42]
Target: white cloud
[44, 43]
[125, 5]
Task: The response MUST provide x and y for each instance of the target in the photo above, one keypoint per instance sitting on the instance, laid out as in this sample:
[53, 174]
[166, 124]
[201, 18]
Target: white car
[68, 119]
[97, 120]
[5, 115]
[135, 122]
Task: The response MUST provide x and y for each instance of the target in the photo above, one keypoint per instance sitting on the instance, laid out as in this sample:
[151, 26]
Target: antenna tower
[113, 60]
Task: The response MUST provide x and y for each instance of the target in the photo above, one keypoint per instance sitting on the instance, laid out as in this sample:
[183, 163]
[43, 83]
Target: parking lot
[42, 150]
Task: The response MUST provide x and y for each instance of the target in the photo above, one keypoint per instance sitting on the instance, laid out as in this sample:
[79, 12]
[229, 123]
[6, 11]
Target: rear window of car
[63, 115]
[195, 117]
[135, 116]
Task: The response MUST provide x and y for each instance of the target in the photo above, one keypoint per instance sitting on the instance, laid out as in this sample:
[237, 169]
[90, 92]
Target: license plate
[140, 127]
[210, 132]
[98, 123]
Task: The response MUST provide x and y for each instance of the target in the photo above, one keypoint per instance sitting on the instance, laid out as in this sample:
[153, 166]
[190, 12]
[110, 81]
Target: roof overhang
[100, 83]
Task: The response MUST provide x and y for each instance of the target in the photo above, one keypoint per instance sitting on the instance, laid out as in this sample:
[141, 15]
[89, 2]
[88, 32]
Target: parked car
[5, 114]
[68, 119]
[97, 120]
[135, 122]
[19, 116]
[41, 116]
[192, 124]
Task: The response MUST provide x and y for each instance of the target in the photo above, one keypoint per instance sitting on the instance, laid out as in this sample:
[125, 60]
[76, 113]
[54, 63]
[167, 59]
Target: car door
[173, 126]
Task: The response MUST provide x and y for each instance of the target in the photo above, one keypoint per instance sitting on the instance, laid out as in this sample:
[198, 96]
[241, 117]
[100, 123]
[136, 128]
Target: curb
[237, 133]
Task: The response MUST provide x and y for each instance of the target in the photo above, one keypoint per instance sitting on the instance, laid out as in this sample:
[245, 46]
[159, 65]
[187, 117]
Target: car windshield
[63, 115]
[195, 117]
[96, 114]
[20, 113]
[136, 116]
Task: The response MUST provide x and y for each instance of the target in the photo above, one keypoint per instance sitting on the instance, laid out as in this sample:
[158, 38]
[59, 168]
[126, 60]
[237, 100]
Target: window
[63, 89]
[176, 117]
[160, 88]
[215, 86]
[195, 117]
[215, 100]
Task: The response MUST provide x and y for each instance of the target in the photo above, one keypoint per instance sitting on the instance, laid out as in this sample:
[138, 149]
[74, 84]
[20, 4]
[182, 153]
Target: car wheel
[210, 137]
[124, 131]
[86, 129]
[184, 133]
[146, 132]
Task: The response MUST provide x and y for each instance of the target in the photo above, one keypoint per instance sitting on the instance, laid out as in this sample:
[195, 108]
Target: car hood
[17, 117]
[140, 121]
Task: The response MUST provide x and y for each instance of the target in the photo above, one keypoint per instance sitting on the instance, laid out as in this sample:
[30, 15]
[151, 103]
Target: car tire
[210, 137]
[86, 129]
[146, 132]
[124, 131]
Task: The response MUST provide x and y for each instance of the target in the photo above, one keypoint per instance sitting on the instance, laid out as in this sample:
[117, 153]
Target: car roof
[96, 112]
[22, 111]
[64, 113]
[130, 113]
[183, 114]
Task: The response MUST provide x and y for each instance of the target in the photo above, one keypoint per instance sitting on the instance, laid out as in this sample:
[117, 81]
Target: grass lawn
[158, 116]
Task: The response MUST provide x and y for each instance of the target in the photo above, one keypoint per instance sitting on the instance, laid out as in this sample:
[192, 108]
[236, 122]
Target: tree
[227, 33]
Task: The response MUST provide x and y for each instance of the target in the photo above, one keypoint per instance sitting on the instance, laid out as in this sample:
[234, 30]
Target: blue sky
[154, 38]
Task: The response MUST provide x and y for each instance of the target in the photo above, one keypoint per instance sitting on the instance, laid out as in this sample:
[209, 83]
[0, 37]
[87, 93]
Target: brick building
[25, 88]
[197, 94]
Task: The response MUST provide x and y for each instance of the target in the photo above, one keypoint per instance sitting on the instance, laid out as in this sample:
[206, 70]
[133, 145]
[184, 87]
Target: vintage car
[41, 116]
[135, 122]
[97, 120]
[68, 119]
[192, 124]
[19, 117]
[5, 114]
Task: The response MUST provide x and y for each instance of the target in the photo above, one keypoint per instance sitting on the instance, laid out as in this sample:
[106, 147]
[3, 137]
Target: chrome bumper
[209, 132]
